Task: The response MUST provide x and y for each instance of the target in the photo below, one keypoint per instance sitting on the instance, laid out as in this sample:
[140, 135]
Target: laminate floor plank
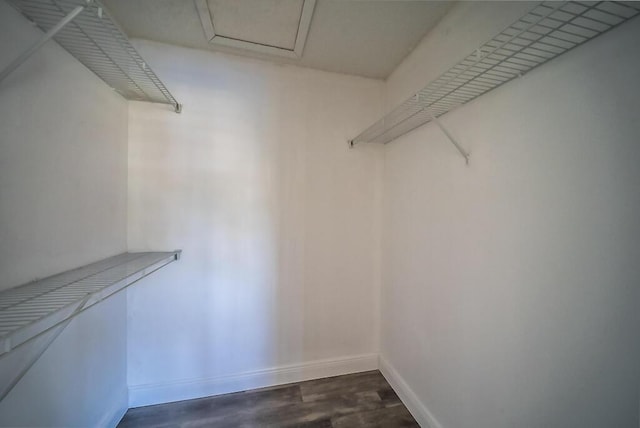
[347, 384]
[357, 400]
[294, 414]
[219, 407]
[397, 416]
[389, 397]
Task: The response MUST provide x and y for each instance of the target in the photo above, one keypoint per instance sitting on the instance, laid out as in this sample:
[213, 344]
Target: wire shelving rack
[91, 35]
[38, 312]
[545, 32]
[29, 310]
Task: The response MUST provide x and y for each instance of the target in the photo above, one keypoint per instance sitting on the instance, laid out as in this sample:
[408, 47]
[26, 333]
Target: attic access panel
[272, 27]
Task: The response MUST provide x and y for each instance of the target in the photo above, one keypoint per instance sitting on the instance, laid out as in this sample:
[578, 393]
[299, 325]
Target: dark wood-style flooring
[350, 401]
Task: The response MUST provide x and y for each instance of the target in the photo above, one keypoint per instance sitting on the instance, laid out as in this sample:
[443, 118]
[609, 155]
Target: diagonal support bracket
[40, 349]
[444, 130]
[44, 39]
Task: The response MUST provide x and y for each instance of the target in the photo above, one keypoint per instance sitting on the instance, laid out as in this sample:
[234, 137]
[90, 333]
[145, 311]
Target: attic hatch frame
[547, 31]
[216, 39]
[87, 31]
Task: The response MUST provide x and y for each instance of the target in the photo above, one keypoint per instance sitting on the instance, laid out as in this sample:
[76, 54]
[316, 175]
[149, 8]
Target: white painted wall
[278, 220]
[510, 294]
[63, 175]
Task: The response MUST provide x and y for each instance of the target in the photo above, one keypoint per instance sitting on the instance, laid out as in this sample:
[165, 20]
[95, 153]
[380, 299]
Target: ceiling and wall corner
[363, 38]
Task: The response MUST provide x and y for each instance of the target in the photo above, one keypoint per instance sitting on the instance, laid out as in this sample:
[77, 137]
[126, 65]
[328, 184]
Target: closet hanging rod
[548, 30]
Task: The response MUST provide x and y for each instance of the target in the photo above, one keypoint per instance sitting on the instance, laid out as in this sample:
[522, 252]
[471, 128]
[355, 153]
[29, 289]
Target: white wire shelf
[97, 41]
[29, 310]
[547, 31]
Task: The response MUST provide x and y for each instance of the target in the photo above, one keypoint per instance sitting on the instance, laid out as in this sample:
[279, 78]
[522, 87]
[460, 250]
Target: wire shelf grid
[31, 309]
[97, 41]
[547, 31]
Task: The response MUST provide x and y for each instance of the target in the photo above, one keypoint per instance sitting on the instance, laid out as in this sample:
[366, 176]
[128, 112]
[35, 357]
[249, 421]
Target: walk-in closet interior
[319, 213]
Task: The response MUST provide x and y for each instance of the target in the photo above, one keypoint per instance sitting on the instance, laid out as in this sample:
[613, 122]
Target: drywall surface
[510, 288]
[63, 175]
[279, 223]
[80, 381]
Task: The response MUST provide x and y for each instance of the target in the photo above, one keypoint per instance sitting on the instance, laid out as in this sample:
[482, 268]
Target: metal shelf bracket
[88, 32]
[35, 354]
[444, 130]
[43, 309]
[44, 39]
[548, 30]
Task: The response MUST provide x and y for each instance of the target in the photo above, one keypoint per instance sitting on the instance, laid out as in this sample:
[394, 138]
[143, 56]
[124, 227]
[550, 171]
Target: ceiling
[364, 38]
[267, 22]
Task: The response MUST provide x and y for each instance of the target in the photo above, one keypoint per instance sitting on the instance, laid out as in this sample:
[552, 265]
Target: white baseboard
[417, 408]
[116, 410]
[157, 393]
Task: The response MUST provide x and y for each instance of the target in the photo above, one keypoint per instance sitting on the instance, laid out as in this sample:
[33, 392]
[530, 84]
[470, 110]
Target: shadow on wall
[229, 191]
[255, 183]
